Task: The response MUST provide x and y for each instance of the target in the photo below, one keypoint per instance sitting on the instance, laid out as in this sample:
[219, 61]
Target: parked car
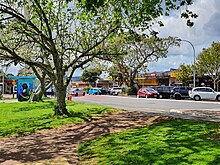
[104, 90]
[164, 91]
[204, 93]
[94, 91]
[148, 93]
[181, 92]
[78, 92]
[115, 91]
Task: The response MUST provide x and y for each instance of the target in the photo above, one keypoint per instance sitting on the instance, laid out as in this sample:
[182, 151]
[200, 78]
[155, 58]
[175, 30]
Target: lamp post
[194, 61]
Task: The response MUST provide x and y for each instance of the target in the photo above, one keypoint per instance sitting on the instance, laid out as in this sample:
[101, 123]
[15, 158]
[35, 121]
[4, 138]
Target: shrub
[86, 89]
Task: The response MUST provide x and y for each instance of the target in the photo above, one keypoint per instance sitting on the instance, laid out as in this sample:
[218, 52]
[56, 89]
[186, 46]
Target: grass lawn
[24, 117]
[169, 142]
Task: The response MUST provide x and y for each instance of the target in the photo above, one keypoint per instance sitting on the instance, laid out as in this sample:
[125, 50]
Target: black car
[179, 93]
[104, 90]
[164, 91]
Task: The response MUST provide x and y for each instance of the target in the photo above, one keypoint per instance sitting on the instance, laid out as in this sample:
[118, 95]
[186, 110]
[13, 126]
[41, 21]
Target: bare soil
[59, 146]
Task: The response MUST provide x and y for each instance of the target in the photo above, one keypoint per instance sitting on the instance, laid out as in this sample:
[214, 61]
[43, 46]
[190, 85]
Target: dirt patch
[59, 146]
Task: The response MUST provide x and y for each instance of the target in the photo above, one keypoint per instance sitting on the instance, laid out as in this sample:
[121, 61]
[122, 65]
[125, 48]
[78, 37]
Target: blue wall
[25, 85]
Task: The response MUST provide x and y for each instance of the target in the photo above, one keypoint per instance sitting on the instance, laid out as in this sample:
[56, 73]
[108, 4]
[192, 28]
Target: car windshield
[150, 90]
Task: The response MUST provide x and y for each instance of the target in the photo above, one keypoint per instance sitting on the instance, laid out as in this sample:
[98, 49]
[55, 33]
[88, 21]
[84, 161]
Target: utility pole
[194, 61]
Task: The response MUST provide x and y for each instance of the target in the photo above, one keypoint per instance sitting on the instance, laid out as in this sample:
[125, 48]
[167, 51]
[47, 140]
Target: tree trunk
[60, 108]
[37, 96]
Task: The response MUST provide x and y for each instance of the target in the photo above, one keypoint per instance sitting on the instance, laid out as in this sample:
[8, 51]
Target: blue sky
[201, 35]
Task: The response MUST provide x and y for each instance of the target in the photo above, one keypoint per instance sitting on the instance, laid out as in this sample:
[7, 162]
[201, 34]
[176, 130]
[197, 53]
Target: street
[148, 105]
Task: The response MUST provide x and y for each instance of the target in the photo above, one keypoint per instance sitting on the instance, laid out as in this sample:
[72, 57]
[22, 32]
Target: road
[149, 105]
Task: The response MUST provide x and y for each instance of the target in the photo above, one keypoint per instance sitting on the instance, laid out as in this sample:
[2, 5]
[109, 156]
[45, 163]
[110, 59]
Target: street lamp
[194, 61]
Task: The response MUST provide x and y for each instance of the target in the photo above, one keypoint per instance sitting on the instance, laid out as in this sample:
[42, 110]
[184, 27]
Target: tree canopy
[185, 74]
[91, 75]
[139, 51]
[208, 62]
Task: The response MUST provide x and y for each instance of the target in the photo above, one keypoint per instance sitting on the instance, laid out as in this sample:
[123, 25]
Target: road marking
[172, 100]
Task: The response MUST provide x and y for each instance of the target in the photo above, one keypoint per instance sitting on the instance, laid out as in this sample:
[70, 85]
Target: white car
[204, 93]
[115, 91]
[77, 92]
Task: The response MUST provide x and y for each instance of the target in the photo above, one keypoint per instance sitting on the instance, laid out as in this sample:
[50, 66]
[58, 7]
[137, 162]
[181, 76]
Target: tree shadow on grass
[48, 104]
[63, 142]
[169, 142]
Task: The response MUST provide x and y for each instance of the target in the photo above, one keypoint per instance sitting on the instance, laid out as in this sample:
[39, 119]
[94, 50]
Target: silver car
[204, 93]
[78, 92]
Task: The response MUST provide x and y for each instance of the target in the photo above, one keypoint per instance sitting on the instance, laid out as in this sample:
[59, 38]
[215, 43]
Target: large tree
[139, 51]
[60, 36]
[208, 62]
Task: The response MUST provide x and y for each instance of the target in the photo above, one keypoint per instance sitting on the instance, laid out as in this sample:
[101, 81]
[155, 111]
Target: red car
[148, 93]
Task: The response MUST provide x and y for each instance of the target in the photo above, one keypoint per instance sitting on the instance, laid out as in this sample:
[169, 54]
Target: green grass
[169, 142]
[24, 117]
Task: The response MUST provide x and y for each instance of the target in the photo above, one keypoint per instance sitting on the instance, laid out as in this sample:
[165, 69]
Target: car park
[180, 92]
[204, 93]
[164, 91]
[94, 91]
[78, 92]
[115, 91]
[147, 93]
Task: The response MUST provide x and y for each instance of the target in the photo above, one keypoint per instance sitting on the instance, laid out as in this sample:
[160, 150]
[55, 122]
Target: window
[202, 90]
[208, 90]
[182, 88]
[197, 89]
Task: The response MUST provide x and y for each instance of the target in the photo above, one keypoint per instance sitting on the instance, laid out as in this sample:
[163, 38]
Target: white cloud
[201, 35]
[12, 69]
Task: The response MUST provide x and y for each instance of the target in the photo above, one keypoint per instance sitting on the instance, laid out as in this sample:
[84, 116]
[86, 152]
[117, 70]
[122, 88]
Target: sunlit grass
[171, 142]
[25, 117]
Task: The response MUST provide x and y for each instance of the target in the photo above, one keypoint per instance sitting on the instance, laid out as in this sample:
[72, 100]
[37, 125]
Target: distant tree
[115, 74]
[91, 75]
[138, 52]
[208, 62]
[185, 74]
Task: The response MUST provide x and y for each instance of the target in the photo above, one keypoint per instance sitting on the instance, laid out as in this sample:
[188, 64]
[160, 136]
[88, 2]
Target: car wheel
[84, 93]
[218, 98]
[177, 97]
[76, 94]
[160, 96]
[138, 96]
[197, 98]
